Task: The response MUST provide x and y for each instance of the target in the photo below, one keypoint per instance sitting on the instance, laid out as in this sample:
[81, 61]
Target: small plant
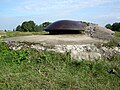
[20, 56]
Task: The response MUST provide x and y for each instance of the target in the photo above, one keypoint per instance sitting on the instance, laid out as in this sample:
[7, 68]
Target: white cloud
[51, 10]
[115, 15]
[54, 6]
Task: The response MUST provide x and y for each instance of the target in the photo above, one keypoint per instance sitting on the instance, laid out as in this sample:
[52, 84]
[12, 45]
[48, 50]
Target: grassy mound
[31, 69]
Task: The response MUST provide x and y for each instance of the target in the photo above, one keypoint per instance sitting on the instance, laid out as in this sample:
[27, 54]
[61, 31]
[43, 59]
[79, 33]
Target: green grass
[117, 34]
[17, 33]
[112, 43]
[1, 32]
[34, 70]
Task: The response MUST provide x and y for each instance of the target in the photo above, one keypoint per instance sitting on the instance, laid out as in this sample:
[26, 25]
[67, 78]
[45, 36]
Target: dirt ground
[55, 39]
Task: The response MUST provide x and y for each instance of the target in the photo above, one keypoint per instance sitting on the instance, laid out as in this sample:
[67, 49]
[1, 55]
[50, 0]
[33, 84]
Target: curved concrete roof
[66, 25]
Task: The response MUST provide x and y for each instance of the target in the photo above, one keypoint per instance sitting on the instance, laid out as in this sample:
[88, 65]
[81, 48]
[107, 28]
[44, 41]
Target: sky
[14, 12]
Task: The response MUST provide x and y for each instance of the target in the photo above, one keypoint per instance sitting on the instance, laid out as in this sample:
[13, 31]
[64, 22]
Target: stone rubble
[78, 52]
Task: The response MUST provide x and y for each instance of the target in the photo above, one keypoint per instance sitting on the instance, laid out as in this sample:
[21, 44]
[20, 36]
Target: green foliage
[109, 26]
[29, 26]
[18, 28]
[115, 26]
[39, 28]
[45, 24]
[117, 34]
[35, 70]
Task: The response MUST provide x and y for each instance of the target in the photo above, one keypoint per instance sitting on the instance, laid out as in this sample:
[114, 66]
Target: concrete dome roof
[66, 25]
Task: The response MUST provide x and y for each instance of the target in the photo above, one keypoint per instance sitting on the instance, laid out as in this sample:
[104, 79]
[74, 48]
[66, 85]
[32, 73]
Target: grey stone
[78, 52]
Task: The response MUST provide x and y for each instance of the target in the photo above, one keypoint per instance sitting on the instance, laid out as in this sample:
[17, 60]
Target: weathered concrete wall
[96, 31]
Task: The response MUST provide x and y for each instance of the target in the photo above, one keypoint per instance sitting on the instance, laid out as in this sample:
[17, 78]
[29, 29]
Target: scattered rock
[78, 52]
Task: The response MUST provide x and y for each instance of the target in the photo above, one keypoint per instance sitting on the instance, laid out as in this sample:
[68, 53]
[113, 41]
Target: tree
[116, 26]
[30, 26]
[27, 26]
[18, 28]
[39, 28]
[5, 30]
[45, 24]
[109, 26]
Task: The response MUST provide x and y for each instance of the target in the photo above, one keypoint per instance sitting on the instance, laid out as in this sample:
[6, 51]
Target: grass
[1, 32]
[35, 70]
[17, 33]
[117, 34]
[112, 43]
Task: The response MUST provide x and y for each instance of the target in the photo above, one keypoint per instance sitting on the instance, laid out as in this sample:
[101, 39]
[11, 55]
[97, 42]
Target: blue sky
[14, 12]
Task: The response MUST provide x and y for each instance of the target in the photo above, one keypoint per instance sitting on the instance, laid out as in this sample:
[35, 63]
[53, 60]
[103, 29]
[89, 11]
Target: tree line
[31, 26]
[115, 26]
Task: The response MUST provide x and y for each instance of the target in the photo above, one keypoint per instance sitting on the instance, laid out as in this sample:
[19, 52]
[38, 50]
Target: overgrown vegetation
[35, 70]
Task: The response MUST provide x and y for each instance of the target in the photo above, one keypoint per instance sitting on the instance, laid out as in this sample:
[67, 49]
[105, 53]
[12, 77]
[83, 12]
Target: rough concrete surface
[56, 39]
